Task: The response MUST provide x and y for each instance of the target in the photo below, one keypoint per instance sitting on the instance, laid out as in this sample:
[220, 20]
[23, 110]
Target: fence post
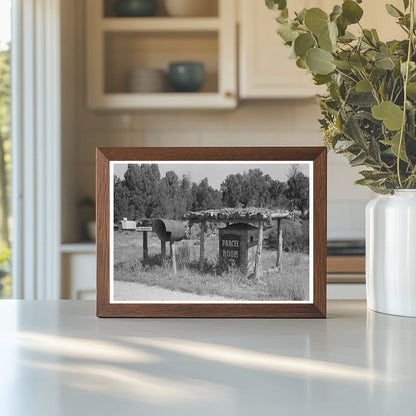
[257, 264]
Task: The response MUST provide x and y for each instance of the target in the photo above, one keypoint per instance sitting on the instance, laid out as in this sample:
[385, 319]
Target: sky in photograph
[216, 173]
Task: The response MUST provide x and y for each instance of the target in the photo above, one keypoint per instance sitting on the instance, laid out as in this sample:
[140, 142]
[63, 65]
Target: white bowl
[191, 8]
[147, 80]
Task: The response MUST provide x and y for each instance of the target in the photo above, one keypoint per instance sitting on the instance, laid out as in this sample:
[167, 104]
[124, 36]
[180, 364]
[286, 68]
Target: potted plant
[369, 116]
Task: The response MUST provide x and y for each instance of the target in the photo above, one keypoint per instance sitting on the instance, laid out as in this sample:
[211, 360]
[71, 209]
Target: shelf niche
[126, 51]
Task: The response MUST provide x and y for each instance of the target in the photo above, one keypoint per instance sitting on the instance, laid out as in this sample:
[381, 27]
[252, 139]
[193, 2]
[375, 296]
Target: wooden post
[190, 242]
[145, 247]
[202, 246]
[173, 256]
[163, 250]
[279, 242]
[257, 263]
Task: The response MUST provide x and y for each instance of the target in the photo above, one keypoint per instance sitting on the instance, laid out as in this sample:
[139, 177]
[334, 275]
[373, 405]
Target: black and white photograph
[211, 232]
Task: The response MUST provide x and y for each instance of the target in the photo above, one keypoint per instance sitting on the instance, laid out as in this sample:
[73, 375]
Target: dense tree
[297, 190]
[121, 200]
[231, 190]
[207, 197]
[142, 181]
[144, 194]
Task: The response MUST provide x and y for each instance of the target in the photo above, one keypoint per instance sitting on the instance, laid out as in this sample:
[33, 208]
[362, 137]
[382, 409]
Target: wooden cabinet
[265, 70]
[118, 45]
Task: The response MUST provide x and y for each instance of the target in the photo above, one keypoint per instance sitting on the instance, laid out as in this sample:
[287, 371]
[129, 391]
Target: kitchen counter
[57, 358]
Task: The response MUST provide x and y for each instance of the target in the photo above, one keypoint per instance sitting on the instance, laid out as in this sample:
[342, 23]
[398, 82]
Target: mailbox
[169, 230]
[235, 243]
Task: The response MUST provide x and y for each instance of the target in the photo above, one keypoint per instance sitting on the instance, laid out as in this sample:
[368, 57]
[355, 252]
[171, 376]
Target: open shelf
[160, 24]
[119, 45]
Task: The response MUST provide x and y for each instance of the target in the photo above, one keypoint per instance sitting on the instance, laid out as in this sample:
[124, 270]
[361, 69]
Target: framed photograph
[211, 232]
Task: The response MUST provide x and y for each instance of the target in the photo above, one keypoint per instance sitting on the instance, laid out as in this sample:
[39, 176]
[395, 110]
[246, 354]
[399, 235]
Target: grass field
[290, 284]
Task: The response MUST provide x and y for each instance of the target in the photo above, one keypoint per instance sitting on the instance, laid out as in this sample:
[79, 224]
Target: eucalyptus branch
[406, 80]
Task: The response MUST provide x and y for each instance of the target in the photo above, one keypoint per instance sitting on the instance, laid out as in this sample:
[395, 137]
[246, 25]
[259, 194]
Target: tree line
[143, 193]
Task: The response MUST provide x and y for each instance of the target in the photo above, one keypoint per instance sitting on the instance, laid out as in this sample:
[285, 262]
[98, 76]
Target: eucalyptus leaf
[406, 4]
[325, 42]
[303, 43]
[358, 61]
[316, 20]
[301, 63]
[393, 11]
[385, 62]
[411, 90]
[287, 33]
[358, 160]
[363, 86]
[336, 12]
[351, 11]
[345, 65]
[276, 4]
[320, 61]
[394, 145]
[388, 112]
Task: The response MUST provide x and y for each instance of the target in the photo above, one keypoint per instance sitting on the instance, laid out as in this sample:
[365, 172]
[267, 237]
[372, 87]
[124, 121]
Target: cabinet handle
[229, 94]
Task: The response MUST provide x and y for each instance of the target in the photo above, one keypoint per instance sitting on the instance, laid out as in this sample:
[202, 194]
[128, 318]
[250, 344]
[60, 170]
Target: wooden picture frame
[315, 157]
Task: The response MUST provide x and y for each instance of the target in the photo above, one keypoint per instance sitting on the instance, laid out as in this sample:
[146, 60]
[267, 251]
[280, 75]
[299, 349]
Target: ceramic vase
[391, 253]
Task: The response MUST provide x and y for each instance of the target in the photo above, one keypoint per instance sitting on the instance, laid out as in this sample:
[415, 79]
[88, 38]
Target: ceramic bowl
[147, 80]
[191, 8]
[135, 8]
[186, 76]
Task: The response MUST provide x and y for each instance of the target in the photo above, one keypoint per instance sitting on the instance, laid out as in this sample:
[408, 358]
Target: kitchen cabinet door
[265, 68]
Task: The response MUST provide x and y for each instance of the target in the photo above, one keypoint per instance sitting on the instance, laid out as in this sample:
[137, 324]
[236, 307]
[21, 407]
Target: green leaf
[276, 4]
[394, 145]
[345, 65]
[406, 4]
[358, 61]
[351, 11]
[321, 79]
[358, 160]
[316, 20]
[393, 11]
[388, 112]
[336, 12]
[319, 61]
[384, 62]
[301, 63]
[411, 90]
[325, 42]
[374, 175]
[287, 33]
[303, 43]
[363, 86]
[301, 15]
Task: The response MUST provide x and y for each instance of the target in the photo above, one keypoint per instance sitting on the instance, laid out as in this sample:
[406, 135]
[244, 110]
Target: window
[5, 147]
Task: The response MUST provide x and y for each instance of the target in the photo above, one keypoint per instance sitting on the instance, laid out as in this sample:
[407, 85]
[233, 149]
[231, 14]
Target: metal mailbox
[169, 230]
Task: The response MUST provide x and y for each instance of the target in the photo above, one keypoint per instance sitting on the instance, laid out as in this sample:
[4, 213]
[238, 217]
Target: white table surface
[57, 358]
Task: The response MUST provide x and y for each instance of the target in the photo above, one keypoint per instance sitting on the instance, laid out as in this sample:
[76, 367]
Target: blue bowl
[135, 8]
[186, 76]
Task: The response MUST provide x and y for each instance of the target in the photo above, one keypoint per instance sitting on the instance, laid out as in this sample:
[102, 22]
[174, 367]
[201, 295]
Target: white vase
[391, 253]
